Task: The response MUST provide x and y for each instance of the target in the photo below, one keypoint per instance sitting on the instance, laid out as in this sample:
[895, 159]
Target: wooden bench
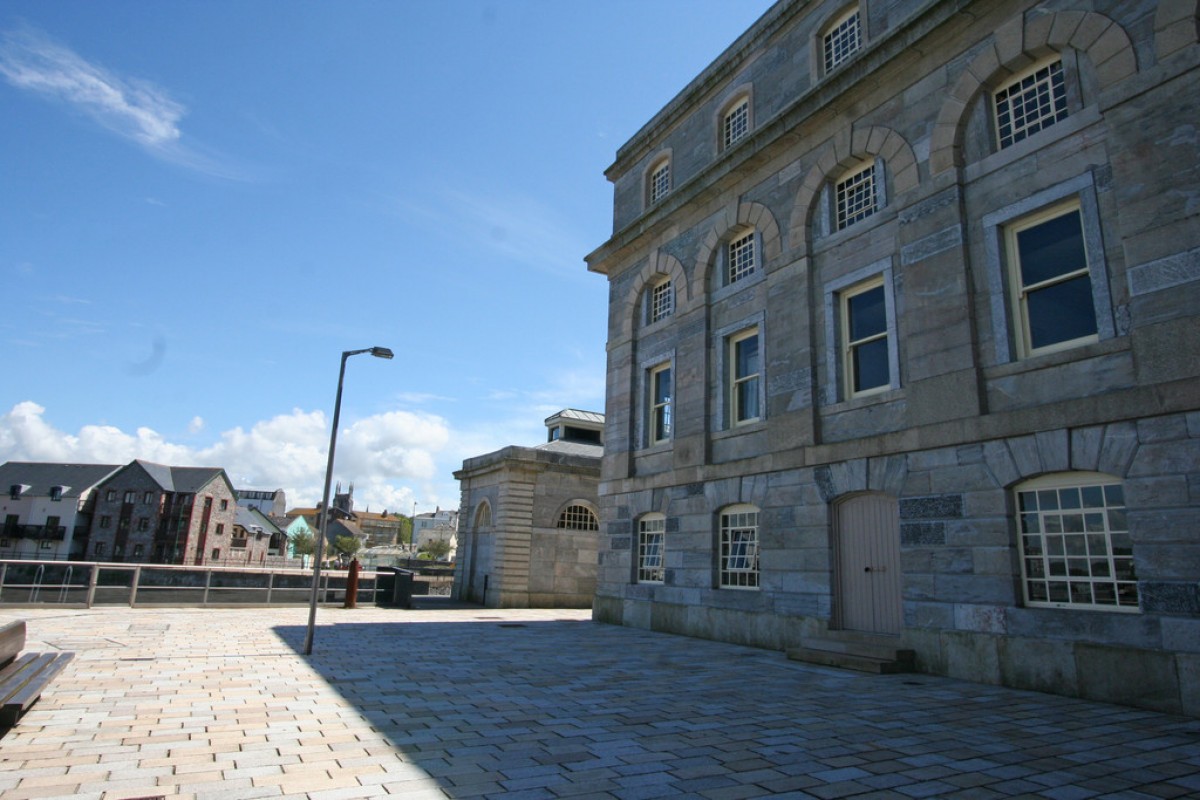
[23, 676]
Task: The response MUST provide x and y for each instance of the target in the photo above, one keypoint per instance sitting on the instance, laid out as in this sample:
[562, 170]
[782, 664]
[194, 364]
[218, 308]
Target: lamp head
[381, 352]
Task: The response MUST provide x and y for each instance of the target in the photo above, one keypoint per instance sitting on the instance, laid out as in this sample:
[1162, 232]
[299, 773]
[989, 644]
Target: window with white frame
[1052, 298]
[741, 257]
[842, 39]
[1034, 100]
[662, 390]
[865, 351]
[744, 369]
[856, 196]
[577, 517]
[736, 123]
[662, 300]
[739, 548]
[651, 532]
[1076, 551]
[660, 180]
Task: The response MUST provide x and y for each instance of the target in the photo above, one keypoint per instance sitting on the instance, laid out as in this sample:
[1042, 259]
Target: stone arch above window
[483, 516]
[843, 154]
[660, 266]
[1176, 26]
[1014, 46]
[743, 217]
[578, 515]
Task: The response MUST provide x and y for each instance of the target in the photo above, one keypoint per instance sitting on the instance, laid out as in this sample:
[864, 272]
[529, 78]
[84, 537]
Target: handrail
[108, 583]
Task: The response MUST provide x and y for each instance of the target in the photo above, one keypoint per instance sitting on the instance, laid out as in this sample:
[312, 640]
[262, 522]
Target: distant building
[152, 513]
[904, 345]
[47, 508]
[530, 519]
[256, 537]
[272, 502]
[440, 525]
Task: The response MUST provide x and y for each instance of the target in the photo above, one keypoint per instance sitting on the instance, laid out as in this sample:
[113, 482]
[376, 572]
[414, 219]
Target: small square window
[47, 544]
[662, 301]
[131, 497]
[736, 124]
[660, 181]
[110, 496]
[856, 198]
[1030, 103]
[56, 493]
[843, 40]
[741, 257]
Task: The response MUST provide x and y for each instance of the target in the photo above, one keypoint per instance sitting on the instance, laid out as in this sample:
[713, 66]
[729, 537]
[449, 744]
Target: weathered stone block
[944, 506]
[1038, 665]
[1143, 678]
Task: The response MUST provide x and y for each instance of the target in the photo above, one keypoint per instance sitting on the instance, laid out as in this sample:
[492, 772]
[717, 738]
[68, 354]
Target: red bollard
[352, 586]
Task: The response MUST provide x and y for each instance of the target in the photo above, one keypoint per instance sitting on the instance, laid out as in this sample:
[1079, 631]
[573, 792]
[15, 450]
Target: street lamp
[378, 352]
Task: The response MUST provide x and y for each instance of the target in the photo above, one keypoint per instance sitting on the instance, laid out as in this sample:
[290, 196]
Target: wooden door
[867, 536]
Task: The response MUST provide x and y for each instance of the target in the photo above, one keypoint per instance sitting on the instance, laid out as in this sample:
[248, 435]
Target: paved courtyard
[536, 704]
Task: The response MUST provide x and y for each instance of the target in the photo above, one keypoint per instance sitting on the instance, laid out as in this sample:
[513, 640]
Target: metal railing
[83, 584]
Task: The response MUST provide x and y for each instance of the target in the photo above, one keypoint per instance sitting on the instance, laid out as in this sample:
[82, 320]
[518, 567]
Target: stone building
[528, 524]
[904, 344]
[152, 513]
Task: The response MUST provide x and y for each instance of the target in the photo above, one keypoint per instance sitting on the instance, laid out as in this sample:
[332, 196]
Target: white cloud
[133, 108]
[390, 458]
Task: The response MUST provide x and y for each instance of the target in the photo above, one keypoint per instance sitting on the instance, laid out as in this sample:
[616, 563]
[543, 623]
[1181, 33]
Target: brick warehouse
[903, 344]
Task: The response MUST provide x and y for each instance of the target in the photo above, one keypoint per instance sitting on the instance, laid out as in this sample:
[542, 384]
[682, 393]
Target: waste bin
[393, 587]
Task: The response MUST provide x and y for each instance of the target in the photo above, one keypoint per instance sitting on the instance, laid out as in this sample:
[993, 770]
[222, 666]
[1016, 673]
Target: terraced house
[904, 347]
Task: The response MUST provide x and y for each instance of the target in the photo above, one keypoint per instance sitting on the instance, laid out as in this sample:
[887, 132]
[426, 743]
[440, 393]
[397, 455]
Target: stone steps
[873, 657]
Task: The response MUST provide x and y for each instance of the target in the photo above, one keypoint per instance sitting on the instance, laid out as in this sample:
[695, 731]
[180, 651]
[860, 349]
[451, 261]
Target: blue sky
[202, 204]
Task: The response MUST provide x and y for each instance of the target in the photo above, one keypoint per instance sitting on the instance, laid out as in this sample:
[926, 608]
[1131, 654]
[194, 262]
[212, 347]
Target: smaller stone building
[529, 525]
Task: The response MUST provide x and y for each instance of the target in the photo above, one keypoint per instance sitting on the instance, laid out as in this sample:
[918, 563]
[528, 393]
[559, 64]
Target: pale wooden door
[867, 536]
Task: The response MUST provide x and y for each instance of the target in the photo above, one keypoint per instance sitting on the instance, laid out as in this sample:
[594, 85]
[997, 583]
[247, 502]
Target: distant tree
[436, 548]
[346, 546]
[303, 543]
[404, 532]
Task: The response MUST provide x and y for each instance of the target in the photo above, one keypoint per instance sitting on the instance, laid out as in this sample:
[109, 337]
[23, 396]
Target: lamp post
[318, 555]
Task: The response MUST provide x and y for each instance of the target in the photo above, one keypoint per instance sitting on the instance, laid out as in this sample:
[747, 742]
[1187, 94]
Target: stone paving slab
[533, 704]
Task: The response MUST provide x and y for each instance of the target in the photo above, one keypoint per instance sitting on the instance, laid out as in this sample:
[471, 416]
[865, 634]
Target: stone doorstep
[876, 657]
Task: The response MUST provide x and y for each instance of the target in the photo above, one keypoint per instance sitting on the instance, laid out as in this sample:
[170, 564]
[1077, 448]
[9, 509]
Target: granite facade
[971, 409]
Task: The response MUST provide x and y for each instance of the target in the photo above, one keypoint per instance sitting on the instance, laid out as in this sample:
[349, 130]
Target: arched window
[650, 548]
[1074, 541]
[738, 557]
[577, 517]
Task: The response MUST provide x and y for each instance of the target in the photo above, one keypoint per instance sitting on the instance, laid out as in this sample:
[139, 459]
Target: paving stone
[555, 709]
